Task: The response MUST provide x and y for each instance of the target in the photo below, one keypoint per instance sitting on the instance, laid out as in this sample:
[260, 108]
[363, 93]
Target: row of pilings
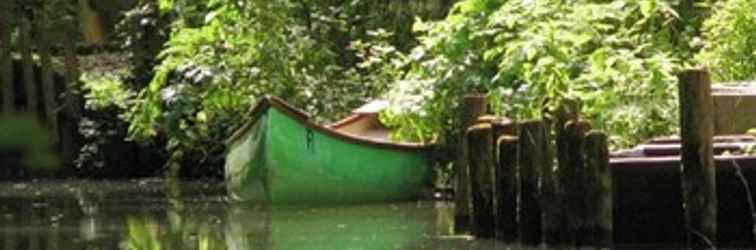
[549, 181]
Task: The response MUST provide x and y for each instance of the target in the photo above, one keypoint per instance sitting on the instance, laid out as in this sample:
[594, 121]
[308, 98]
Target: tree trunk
[73, 105]
[6, 61]
[27, 66]
[49, 92]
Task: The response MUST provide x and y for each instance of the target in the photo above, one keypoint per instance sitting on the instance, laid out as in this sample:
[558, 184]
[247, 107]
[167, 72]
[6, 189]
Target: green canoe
[280, 157]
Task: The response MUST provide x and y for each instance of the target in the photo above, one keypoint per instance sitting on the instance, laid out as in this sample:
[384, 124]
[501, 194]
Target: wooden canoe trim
[274, 102]
[346, 121]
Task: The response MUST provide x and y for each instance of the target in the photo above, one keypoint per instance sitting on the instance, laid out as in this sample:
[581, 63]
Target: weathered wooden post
[551, 200]
[481, 162]
[6, 61]
[49, 94]
[572, 179]
[698, 172]
[552, 181]
[599, 190]
[504, 126]
[507, 186]
[27, 66]
[73, 104]
[472, 107]
[531, 161]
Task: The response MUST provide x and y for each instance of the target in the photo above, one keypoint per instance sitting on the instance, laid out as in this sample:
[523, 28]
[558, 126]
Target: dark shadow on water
[154, 215]
[151, 214]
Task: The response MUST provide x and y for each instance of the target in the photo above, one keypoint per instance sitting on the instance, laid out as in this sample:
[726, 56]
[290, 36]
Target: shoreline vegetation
[169, 78]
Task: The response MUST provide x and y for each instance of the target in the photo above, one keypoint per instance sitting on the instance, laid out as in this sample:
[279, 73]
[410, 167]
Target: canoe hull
[281, 160]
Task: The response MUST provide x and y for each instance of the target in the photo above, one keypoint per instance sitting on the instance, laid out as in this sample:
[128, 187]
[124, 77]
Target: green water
[150, 214]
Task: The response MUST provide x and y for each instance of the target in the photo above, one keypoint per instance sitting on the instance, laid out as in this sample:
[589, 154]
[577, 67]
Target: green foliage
[143, 31]
[730, 35]
[106, 152]
[222, 55]
[26, 135]
[105, 91]
[618, 58]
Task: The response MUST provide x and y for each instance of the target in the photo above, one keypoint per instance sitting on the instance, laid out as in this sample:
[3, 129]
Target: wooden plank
[481, 162]
[698, 173]
[472, 107]
[6, 62]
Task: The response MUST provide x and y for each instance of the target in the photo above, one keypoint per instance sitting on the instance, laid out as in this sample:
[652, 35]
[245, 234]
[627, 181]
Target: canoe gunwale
[267, 102]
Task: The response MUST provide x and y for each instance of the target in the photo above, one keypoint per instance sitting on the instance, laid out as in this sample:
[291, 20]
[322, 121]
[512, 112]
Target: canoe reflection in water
[398, 226]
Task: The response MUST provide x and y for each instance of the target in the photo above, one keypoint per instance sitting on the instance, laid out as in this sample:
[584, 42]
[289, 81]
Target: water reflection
[153, 215]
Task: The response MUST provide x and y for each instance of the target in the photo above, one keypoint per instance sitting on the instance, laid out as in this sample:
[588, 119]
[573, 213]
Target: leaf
[648, 7]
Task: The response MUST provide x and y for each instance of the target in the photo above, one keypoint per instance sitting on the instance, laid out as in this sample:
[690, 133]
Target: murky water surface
[151, 214]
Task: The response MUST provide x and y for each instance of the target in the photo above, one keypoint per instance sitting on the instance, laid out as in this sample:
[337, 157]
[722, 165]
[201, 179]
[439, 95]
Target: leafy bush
[730, 41]
[618, 58]
[223, 55]
[106, 151]
[28, 137]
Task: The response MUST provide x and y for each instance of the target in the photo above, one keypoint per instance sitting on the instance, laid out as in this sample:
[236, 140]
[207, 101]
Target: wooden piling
[553, 187]
[572, 178]
[481, 162]
[551, 199]
[507, 188]
[504, 126]
[27, 66]
[6, 60]
[49, 93]
[472, 107]
[531, 160]
[698, 173]
[599, 190]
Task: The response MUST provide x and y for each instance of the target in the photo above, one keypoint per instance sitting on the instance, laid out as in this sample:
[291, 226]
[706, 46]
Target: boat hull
[279, 159]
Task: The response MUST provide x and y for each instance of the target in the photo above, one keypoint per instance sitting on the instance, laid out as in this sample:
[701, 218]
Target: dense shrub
[223, 55]
[106, 150]
[618, 58]
[730, 41]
